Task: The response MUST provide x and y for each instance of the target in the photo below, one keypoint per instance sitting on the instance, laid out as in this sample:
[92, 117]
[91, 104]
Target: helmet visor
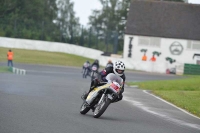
[119, 71]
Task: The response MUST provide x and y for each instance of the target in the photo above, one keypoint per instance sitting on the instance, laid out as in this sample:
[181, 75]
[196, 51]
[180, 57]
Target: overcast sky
[83, 8]
[194, 1]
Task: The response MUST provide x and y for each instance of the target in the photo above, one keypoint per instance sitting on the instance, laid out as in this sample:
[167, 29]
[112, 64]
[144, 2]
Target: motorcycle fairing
[95, 92]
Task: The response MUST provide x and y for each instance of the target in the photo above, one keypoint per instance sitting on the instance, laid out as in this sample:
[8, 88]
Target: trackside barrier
[18, 71]
[192, 69]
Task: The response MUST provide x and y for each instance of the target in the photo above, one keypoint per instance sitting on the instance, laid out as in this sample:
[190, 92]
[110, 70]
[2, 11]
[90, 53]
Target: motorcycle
[100, 97]
[94, 72]
[86, 70]
[109, 65]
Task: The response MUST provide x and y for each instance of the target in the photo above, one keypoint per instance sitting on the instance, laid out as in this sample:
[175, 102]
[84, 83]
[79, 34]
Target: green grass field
[4, 69]
[184, 93]
[41, 57]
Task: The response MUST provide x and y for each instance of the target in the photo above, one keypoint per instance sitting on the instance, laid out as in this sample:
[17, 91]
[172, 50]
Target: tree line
[38, 19]
[56, 20]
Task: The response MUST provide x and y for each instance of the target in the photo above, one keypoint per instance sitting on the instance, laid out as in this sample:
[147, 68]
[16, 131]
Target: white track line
[166, 117]
[171, 104]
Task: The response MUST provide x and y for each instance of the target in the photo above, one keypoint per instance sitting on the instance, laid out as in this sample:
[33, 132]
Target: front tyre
[100, 109]
[84, 73]
[92, 76]
[84, 108]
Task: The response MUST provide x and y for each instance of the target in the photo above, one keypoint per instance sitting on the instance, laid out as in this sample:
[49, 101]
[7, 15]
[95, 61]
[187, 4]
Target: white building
[168, 29]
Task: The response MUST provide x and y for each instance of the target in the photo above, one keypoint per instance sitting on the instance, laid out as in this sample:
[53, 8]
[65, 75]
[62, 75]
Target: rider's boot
[93, 84]
[86, 94]
[93, 109]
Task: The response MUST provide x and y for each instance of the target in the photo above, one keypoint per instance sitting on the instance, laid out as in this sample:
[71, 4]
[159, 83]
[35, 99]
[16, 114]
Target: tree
[109, 22]
[68, 24]
[28, 18]
[7, 6]
[38, 19]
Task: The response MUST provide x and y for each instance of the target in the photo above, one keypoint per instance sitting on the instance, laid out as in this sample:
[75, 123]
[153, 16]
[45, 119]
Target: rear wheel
[84, 108]
[100, 109]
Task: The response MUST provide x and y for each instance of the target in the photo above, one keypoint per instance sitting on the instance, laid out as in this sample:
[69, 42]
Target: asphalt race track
[47, 100]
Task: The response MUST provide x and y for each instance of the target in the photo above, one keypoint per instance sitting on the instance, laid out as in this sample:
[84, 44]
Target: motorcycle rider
[109, 64]
[118, 69]
[86, 65]
[96, 62]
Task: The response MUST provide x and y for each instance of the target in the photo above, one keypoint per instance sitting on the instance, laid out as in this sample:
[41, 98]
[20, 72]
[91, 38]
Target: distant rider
[117, 69]
[109, 64]
[86, 65]
[96, 63]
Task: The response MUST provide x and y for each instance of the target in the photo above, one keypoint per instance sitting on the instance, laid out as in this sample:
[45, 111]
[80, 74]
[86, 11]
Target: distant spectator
[10, 58]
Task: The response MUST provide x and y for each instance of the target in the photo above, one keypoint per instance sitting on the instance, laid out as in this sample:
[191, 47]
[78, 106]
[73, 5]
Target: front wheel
[100, 109]
[85, 73]
[84, 108]
[92, 76]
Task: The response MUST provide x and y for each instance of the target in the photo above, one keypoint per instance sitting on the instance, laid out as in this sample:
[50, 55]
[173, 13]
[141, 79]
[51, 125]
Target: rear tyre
[100, 109]
[84, 108]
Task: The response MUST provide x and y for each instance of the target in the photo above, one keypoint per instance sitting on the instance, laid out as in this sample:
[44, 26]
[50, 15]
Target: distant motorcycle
[94, 72]
[109, 65]
[100, 98]
[86, 70]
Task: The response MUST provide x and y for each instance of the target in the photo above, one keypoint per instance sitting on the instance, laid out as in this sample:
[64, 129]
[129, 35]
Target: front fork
[102, 97]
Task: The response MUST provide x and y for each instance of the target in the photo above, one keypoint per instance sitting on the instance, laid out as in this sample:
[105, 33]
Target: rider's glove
[96, 82]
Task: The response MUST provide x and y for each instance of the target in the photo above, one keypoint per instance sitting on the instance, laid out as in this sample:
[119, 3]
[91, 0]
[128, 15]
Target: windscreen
[112, 77]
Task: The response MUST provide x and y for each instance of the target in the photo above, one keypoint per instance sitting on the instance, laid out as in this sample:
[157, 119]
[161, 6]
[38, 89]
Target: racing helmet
[96, 61]
[119, 68]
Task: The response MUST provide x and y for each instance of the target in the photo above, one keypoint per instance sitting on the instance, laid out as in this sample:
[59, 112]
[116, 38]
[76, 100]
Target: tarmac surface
[47, 100]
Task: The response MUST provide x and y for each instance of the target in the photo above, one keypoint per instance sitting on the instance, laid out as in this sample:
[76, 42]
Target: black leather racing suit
[103, 75]
[96, 64]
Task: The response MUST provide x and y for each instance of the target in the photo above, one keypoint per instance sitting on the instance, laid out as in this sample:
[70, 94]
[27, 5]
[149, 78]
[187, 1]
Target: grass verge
[185, 93]
[5, 69]
[43, 57]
